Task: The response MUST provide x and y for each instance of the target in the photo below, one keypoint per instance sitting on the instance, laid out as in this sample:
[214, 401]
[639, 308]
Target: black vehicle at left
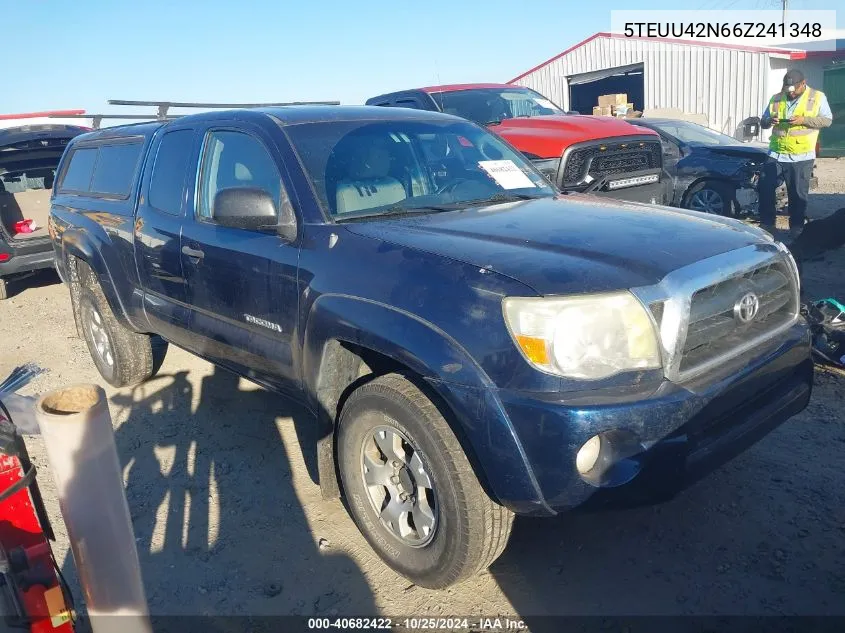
[29, 155]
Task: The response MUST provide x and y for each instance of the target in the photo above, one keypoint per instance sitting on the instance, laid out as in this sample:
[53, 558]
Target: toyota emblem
[747, 308]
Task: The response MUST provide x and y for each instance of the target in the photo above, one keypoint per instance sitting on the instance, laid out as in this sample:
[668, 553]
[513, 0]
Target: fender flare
[76, 243]
[473, 410]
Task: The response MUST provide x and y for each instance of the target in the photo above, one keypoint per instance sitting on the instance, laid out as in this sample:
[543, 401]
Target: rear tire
[122, 357]
[711, 196]
[466, 530]
[4, 289]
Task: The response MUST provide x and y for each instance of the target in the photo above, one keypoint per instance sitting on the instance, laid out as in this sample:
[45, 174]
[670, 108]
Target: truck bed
[33, 204]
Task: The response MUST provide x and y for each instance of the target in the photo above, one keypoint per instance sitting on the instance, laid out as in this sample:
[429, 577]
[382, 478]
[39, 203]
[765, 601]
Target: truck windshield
[492, 105]
[695, 134]
[370, 168]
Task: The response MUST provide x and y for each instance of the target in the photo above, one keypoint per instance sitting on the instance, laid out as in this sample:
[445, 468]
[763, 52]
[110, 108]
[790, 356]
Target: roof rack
[96, 119]
[164, 106]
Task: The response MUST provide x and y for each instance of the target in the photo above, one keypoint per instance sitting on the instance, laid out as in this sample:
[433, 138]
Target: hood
[569, 244]
[548, 136]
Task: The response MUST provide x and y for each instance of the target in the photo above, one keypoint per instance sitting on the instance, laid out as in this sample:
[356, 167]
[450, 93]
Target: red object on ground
[31, 579]
[25, 226]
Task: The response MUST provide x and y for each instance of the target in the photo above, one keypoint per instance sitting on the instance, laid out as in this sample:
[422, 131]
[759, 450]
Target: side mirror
[244, 208]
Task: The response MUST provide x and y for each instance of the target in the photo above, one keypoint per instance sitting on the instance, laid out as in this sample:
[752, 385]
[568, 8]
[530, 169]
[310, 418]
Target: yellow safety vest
[794, 139]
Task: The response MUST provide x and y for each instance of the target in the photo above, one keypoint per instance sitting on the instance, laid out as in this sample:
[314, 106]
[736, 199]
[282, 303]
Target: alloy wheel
[707, 201]
[398, 485]
[100, 338]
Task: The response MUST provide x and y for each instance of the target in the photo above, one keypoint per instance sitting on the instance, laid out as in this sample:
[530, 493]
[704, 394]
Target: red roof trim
[46, 113]
[791, 53]
[823, 54]
[559, 55]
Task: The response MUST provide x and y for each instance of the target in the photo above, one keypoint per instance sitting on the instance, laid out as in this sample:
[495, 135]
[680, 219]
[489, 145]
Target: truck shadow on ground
[219, 526]
[38, 279]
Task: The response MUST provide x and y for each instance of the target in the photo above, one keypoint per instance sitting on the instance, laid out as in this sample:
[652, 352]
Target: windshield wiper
[393, 211]
[502, 197]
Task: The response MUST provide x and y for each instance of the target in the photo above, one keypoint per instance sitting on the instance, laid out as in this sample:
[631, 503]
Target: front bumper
[652, 193]
[688, 430]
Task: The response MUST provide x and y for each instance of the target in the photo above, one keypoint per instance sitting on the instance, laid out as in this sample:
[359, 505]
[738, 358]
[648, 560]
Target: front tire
[411, 489]
[122, 357]
[711, 196]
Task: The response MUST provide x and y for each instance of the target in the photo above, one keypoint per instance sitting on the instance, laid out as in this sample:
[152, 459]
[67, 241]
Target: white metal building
[727, 83]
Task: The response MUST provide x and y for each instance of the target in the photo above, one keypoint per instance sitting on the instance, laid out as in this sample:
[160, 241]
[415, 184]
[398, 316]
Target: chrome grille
[695, 308]
[715, 328]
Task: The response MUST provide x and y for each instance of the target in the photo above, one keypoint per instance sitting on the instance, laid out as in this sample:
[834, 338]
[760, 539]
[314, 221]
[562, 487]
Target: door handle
[193, 253]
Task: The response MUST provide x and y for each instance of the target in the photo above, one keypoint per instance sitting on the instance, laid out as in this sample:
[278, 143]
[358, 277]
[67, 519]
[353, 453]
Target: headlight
[587, 337]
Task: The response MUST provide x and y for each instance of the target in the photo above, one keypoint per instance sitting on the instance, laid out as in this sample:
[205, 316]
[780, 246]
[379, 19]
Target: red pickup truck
[602, 155]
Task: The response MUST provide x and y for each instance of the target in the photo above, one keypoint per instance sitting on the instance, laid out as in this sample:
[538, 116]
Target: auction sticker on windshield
[506, 174]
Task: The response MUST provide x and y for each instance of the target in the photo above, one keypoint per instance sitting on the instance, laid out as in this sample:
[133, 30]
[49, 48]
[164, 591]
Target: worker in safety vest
[796, 114]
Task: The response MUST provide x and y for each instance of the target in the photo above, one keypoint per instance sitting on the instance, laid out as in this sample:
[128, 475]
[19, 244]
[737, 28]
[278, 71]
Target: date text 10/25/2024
[418, 624]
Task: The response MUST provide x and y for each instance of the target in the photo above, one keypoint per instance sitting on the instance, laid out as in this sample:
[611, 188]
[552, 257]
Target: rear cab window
[77, 176]
[106, 169]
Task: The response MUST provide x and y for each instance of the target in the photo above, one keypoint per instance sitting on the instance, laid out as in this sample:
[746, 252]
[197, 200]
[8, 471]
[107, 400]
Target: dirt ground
[228, 519]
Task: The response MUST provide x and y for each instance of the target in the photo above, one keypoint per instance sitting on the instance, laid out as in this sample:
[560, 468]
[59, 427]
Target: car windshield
[694, 134]
[372, 168]
[491, 105]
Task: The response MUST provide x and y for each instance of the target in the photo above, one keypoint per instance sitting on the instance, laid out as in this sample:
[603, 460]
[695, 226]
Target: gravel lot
[229, 520]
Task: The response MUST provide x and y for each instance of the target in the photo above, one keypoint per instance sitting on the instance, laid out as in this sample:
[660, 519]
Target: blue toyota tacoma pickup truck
[473, 344]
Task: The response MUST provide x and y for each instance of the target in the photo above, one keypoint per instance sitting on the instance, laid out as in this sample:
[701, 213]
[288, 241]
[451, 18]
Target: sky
[62, 54]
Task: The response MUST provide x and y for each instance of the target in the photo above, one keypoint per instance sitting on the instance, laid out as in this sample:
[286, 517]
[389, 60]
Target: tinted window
[689, 132]
[78, 173]
[168, 180]
[235, 159]
[116, 168]
[409, 103]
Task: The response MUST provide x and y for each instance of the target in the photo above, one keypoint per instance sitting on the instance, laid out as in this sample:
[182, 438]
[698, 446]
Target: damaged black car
[707, 171]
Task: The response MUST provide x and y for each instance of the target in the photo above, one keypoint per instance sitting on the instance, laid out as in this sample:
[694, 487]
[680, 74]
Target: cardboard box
[612, 100]
[602, 111]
